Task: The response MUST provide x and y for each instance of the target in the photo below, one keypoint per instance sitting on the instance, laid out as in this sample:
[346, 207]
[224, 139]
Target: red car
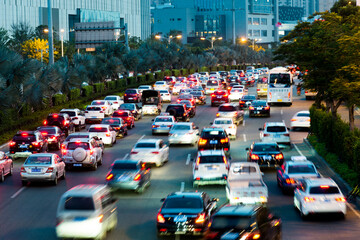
[126, 116]
[219, 97]
[132, 95]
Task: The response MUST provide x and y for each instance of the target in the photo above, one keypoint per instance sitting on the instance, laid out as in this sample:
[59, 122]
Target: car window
[324, 190]
[98, 103]
[259, 103]
[70, 113]
[214, 133]
[98, 129]
[163, 119]
[186, 202]
[74, 145]
[45, 131]
[25, 138]
[301, 169]
[211, 159]
[111, 121]
[38, 160]
[120, 114]
[212, 83]
[276, 129]
[111, 98]
[79, 203]
[227, 108]
[247, 97]
[223, 122]
[244, 169]
[181, 127]
[131, 91]
[265, 147]
[76, 136]
[229, 222]
[124, 166]
[179, 109]
[145, 145]
[303, 115]
[93, 109]
[127, 106]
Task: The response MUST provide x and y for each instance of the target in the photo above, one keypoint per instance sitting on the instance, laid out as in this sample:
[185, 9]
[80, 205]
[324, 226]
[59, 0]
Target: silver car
[184, 133]
[42, 167]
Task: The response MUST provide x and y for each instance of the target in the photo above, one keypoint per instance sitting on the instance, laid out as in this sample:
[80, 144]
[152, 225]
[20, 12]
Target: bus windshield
[280, 78]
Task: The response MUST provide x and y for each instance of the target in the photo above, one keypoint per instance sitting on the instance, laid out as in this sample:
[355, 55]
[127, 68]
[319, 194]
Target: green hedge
[110, 85]
[74, 94]
[220, 68]
[204, 69]
[131, 81]
[99, 87]
[175, 72]
[141, 79]
[59, 99]
[149, 77]
[233, 67]
[159, 76]
[184, 72]
[167, 72]
[87, 91]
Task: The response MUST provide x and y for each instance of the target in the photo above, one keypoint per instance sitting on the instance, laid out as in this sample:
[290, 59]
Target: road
[29, 212]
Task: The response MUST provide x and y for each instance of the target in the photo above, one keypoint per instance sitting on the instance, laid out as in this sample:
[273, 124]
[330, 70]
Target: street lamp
[243, 40]
[62, 41]
[171, 37]
[211, 40]
[117, 35]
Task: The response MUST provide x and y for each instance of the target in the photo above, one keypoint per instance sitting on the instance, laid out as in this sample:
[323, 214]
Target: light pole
[62, 41]
[50, 26]
[171, 37]
[211, 40]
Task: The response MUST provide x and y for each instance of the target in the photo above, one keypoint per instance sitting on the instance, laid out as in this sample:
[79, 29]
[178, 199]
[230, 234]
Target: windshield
[230, 222]
[75, 145]
[223, 121]
[259, 103]
[163, 119]
[79, 203]
[160, 83]
[76, 136]
[211, 159]
[324, 190]
[26, 138]
[276, 129]
[110, 121]
[303, 115]
[178, 109]
[93, 109]
[98, 103]
[110, 98]
[131, 91]
[247, 97]
[98, 129]
[265, 148]
[70, 113]
[164, 91]
[183, 202]
[280, 78]
[301, 169]
[236, 90]
[181, 127]
[127, 106]
[244, 169]
[38, 160]
[227, 108]
[144, 87]
[145, 145]
[47, 130]
[212, 83]
[213, 133]
[124, 166]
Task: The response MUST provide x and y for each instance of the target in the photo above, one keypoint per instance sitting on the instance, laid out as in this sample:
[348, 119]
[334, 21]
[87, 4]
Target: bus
[280, 86]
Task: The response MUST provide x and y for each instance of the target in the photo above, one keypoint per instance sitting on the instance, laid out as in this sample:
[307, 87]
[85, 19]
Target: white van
[86, 211]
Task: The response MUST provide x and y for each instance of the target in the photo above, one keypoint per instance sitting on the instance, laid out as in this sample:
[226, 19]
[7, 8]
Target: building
[136, 13]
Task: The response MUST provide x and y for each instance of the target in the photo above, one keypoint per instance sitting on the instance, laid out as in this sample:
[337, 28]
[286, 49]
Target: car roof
[302, 112]
[44, 154]
[85, 140]
[242, 210]
[69, 109]
[211, 152]
[274, 124]
[320, 181]
[85, 189]
[151, 140]
[99, 125]
[111, 96]
[79, 133]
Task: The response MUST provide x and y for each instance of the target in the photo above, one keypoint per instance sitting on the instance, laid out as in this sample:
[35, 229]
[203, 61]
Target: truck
[151, 102]
[245, 184]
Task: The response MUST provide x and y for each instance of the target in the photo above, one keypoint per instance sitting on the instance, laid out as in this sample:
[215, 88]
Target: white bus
[280, 86]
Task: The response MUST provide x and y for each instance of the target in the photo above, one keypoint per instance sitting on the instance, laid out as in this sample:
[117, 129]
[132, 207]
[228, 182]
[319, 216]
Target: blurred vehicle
[210, 167]
[233, 79]
[261, 87]
[53, 135]
[259, 108]
[177, 87]
[185, 91]
[42, 167]
[224, 74]
[6, 166]
[203, 80]
[227, 124]
[181, 79]
[170, 80]
[132, 95]
[162, 124]
[240, 72]
[197, 88]
[82, 152]
[151, 103]
[246, 100]
[204, 74]
[231, 85]
[300, 120]
[229, 110]
[86, 211]
[141, 88]
[94, 114]
[236, 94]
[245, 184]
[212, 86]
[219, 97]
[161, 85]
[214, 138]
[165, 96]
[244, 222]
[126, 116]
[150, 151]
[77, 117]
[135, 110]
[186, 96]
[280, 86]
[25, 143]
[233, 72]
[105, 106]
[310, 94]
[61, 120]
[190, 107]
[128, 175]
[275, 132]
[84, 135]
[250, 68]
[184, 133]
[192, 82]
[185, 213]
[291, 173]
[265, 154]
[199, 96]
[319, 195]
[178, 111]
[118, 124]
[244, 80]
[115, 101]
[105, 132]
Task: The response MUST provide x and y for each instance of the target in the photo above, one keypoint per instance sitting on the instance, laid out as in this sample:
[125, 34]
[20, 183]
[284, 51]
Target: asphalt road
[29, 212]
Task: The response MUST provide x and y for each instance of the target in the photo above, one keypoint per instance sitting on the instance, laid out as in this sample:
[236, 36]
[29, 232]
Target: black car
[53, 135]
[61, 120]
[214, 138]
[234, 79]
[178, 111]
[266, 154]
[244, 222]
[185, 213]
[259, 108]
[246, 100]
[118, 125]
[200, 97]
[191, 108]
[24, 143]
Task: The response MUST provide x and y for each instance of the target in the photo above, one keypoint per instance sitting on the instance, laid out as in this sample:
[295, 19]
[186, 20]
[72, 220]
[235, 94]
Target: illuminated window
[249, 21]
[256, 21]
[263, 21]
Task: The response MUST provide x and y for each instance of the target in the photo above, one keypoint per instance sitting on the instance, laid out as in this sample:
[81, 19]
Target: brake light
[50, 170]
[55, 115]
[62, 146]
[251, 108]
[12, 143]
[22, 170]
[279, 156]
[266, 134]
[258, 89]
[100, 218]
[340, 199]
[160, 218]
[44, 133]
[24, 134]
[218, 114]
[107, 134]
[256, 236]
[86, 112]
[137, 177]
[293, 119]
[36, 144]
[225, 95]
[324, 186]
[267, 108]
[91, 151]
[109, 177]
[242, 102]
[254, 157]
[224, 140]
[63, 151]
[200, 218]
[309, 199]
[65, 122]
[290, 181]
[202, 141]
[125, 95]
[212, 95]
[287, 134]
[155, 152]
[155, 126]
[101, 112]
[133, 152]
[197, 164]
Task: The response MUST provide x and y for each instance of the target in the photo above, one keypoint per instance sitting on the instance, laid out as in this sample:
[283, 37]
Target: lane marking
[298, 150]
[182, 186]
[281, 112]
[244, 136]
[188, 159]
[18, 192]
[141, 137]
[243, 123]
[126, 155]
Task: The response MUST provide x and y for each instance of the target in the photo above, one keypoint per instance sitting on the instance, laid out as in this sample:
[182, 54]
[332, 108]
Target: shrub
[99, 87]
[141, 78]
[184, 72]
[120, 84]
[149, 77]
[111, 85]
[87, 91]
[235, 67]
[227, 68]
[159, 76]
[167, 72]
[131, 81]
[59, 99]
[74, 94]
[175, 72]
[204, 69]
[220, 68]
[191, 71]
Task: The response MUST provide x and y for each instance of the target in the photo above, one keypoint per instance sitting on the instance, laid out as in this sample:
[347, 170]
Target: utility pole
[50, 27]
[233, 22]
[126, 37]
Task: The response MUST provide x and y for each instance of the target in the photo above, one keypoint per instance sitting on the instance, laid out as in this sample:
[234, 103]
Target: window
[256, 21]
[179, 19]
[256, 33]
[264, 33]
[250, 33]
[249, 21]
[273, 33]
[263, 21]
[273, 21]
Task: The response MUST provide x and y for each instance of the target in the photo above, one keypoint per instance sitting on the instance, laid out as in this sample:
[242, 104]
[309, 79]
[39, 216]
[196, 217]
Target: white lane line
[141, 137]
[188, 159]
[244, 136]
[18, 192]
[298, 150]
[126, 156]
[182, 187]
[244, 123]
[281, 112]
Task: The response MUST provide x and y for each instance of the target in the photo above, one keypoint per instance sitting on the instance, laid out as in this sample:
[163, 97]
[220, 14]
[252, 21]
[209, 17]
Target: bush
[204, 69]
[74, 94]
[59, 99]
[184, 72]
[111, 85]
[99, 87]
[159, 76]
[141, 79]
[167, 72]
[87, 91]
[175, 72]
[191, 71]
[234, 67]
[120, 84]
[131, 81]
[227, 68]
[149, 77]
[220, 68]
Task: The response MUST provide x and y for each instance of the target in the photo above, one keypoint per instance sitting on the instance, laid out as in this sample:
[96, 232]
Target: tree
[36, 49]
[4, 37]
[20, 33]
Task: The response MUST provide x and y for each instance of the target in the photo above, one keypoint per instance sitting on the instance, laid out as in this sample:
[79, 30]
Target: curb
[4, 145]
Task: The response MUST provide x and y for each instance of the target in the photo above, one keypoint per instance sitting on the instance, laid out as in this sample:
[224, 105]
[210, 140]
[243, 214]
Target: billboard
[93, 34]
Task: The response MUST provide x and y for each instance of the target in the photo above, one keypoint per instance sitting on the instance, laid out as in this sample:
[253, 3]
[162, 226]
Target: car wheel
[55, 181]
[212, 105]
[141, 189]
[100, 161]
[2, 178]
[126, 133]
[115, 140]
[95, 166]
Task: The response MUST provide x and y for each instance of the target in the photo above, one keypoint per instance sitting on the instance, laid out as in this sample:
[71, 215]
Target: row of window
[259, 33]
[173, 19]
[259, 21]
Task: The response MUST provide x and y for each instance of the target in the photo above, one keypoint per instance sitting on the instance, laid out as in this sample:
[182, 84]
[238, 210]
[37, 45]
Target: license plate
[78, 219]
[35, 170]
[267, 158]
[77, 164]
[326, 200]
[130, 98]
[279, 100]
[212, 89]
[123, 178]
[212, 168]
[276, 135]
[259, 108]
[22, 146]
[219, 97]
[213, 141]
[180, 218]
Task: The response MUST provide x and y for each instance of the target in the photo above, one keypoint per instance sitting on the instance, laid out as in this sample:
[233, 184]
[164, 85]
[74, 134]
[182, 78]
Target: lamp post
[169, 39]
[50, 26]
[62, 41]
[211, 40]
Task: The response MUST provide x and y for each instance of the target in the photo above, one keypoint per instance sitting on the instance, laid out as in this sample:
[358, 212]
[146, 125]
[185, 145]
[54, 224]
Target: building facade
[136, 13]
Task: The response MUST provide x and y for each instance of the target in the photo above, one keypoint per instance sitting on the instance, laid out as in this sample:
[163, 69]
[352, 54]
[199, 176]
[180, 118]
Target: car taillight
[224, 140]
[160, 218]
[266, 134]
[125, 94]
[242, 102]
[45, 122]
[279, 156]
[100, 218]
[36, 144]
[107, 134]
[218, 114]
[109, 177]
[12, 143]
[290, 181]
[155, 126]
[101, 112]
[63, 151]
[202, 141]
[155, 152]
[212, 95]
[251, 108]
[293, 119]
[267, 108]
[50, 170]
[200, 218]
[254, 157]
[91, 151]
[340, 199]
[287, 134]
[137, 177]
[115, 102]
[309, 199]
[86, 112]
[22, 170]
[133, 152]
[258, 89]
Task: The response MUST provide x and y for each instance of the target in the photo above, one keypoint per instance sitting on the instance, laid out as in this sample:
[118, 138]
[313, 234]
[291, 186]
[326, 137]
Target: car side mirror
[210, 123]
[214, 200]
[247, 149]
[152, 120]
[162, 200]
[288, 129]
[261, 129]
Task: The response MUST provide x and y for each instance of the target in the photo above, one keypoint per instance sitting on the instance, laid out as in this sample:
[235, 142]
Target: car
[240, 222]
[190, 107]
[224, 74]
[170, 80]
[231, 85]
[88, 135]
[181, 80]
[319, 195]
[165, 96]
[185, 91]
[204, 74]
[151, 102]
[135, 110]
[141, 88]
[118, 124]
[203, 81]
[291, 173]
[25, 143]
[233, 78]
[82, 152]
[197, 88]
[105, 132]
[177, 87]
[76, 116]
[115, 101]
[150, 151]
[162, 124]
[266, 154]
[6, 166]
[126, 116]
[178, 111]
[94, 114]
[210, 167]
[128, 175]
[61, 120]
[214, 138]
[246, 101]
[275, 132]
[185, 213]
[310, 94]
[105, 106]
[186, 96]
[236, 94]
[227, 124]
[184, 133]
[259, 108]
[132, 95]
[86, 211]
[219, 97]
[42, 167]
[212, 86]
[230, 110]
[161, 85]
[244, 80]
[53, 135]
[300, 120]
[199, 96]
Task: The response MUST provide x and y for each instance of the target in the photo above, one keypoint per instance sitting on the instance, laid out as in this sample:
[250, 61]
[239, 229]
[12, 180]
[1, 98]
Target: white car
[227, 124]
[163, 124]
[150, 151]
[77, 117]
[275, 132]
[94, 114]
[115, 101]
[300, 120]
[161, 85]
[319, 195]
[105, 106]
[210, 167]
[184, 133]
[236, 94]
[177, 87]
[141, 88]
[105, 132]
[165, 96]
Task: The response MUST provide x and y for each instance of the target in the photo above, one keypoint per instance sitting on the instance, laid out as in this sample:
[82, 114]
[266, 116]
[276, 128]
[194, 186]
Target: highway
[29, 212]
